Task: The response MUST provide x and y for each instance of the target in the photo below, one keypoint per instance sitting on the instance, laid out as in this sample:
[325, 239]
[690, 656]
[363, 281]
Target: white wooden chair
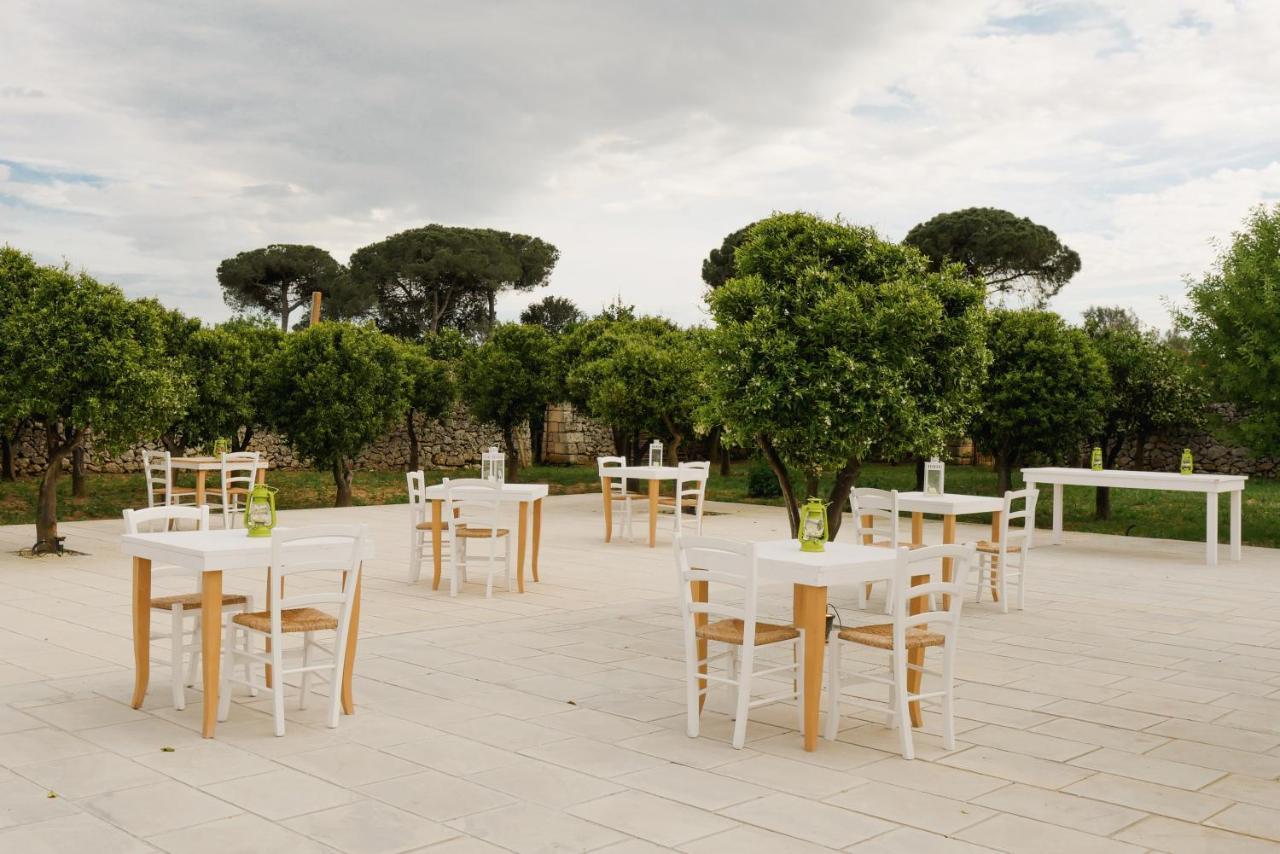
[239, 473]
[333, 549]
[724, 562]
[876, 523]
[474, 508]
[157, 467]
[909, 632]
[181, 606]
[690, 492]
[1007, 559]
[618, 491]
[420, 526]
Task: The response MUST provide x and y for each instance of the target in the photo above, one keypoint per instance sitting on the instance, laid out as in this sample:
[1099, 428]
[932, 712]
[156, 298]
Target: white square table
[210, 552]
[203, 465]
[522, 494]
[655, 475]
[810, 574]
[949, 505]
[1211, 484]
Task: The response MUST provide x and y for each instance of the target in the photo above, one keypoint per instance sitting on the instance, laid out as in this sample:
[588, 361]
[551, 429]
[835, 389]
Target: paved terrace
[1135, 705]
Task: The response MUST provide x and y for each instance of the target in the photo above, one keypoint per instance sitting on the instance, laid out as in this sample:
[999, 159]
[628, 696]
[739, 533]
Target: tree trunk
[513, 459]
[620, 443]
[1139, 452]
[172, 444]
[47, 497]
[676, 438]
[412, 430]
[79, 485]
[239, 443]
[493, 314]
[284, 312]
[1004, 471]
[919, 474]
[1102, 494]
[8, 471]
[810, 486]
[839, 495]
[784, 481]
[537, 433]
[342, 477]
[726, 461]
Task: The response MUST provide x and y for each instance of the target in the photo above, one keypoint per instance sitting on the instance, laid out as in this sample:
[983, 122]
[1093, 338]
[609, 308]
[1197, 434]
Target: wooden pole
[316, 296]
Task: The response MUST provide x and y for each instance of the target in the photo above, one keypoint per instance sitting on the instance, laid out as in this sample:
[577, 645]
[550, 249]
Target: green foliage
[437, 277]
[761, 482]
[1045, 392]
[639, 375]
[1234, 326]
[333, 389]
[718, 266]
[831, 343]
[1011, 254]
[507, 380]
[431, 389]
[279, 278]
[553, 313]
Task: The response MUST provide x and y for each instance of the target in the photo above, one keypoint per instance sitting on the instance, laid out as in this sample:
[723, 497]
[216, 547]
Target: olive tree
[1044, 394]
[1233, 323]
[1152, 390]
[334, 388]
[507, 380]
[831, 343]
[76, 356]
[430, 392]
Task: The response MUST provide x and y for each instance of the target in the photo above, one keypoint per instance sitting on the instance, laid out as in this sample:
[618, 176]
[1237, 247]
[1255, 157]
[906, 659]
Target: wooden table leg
[522, 535]
[537, 537]
[653, 512]
[809, 611]
[211, 645]
[700, 592]
[917, 529]
[261, 474]
[948, 565]
[915, 657]
[353, 634]
[142, 629]
[605, 487]
[437, 541]
[266, 641]
[995, 538]
[201, 474]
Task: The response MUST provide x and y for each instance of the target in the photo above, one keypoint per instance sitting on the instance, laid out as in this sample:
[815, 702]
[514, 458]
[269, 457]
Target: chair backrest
[875, 513]
[157, 467]
[692, 479]
[473, 501]
[617, 484]
[1024, 515]
[725, 562]
[416, 482]
[320, 548]
[948, 596]
[153, 520]
[239, 470]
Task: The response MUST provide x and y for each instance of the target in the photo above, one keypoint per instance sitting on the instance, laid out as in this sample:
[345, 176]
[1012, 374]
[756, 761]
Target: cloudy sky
[145, 141]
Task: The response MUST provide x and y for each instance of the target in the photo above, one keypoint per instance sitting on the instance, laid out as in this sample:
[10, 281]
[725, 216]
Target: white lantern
[493, 465]
[655, 453]
[934, 472]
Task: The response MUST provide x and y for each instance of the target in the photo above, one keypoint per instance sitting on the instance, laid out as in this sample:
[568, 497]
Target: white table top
[840, 563]
[211, 550]
[949, 504]
[652, 472]
[210, 463]
[510, 491]
[1168, 480]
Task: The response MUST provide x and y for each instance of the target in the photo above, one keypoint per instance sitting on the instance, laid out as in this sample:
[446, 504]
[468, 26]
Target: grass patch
[1134, 512]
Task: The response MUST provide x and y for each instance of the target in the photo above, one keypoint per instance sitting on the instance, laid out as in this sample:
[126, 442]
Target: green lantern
[1188, 464]
[221, 445]
[1095, 462]
[260, 510]
[813, 526]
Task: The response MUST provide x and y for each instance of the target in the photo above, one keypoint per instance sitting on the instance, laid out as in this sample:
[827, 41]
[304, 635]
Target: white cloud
[152, 140]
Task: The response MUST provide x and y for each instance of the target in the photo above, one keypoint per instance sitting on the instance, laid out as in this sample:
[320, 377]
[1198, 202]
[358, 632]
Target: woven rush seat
[886, 544]
[291, 620]
[994, 548]
[881, 636]
[730, 631]
[469, 532]
[192, 600]
[182, 490]
[622, 496]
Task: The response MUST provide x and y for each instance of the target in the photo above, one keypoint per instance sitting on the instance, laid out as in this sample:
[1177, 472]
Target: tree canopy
[437, 277]
[279, 278]
[553, 313]
[1045, 392]
[77, 356]
[508, 380]
[831, 343]
[718, 266]
[1011, 254]
[1234, 325]
[334, 388]
[430, 393]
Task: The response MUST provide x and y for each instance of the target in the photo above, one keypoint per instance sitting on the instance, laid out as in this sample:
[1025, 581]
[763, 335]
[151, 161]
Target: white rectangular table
[655, 475]
[210, 552]
[203, 465]
[1211, 484]
[522, 494]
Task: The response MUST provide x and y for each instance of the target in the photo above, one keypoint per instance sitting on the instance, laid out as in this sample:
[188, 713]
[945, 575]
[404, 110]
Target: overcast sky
[146, 141]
